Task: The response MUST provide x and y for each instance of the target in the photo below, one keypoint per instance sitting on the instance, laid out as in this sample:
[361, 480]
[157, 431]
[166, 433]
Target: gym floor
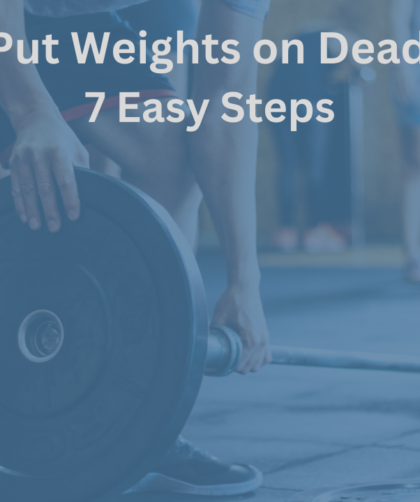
[308, 428]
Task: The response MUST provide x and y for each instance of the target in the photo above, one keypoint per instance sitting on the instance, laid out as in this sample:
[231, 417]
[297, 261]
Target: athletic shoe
[189, 470]
[286, 240]
[324, 239]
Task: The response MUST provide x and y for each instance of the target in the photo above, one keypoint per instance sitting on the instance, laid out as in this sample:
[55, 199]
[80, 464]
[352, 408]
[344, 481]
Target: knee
[162, 155]
[160, 166]
[173, 171]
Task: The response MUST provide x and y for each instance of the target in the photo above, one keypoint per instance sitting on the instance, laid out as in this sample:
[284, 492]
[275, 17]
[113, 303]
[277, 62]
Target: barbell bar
[225, 348]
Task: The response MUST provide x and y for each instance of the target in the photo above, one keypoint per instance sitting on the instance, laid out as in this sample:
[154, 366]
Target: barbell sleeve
[225, 353]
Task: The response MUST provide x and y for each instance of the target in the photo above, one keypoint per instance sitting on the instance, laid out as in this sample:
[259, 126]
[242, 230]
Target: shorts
[164, 18]
[68, 81]
[63, 8]
[254, 8]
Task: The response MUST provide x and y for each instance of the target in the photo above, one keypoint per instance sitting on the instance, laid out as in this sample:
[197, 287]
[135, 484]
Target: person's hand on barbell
[42, 162]
[240, 309]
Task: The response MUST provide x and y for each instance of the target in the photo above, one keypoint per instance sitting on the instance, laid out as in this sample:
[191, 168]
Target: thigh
[138, 147]
[101, 163]
[152, 156]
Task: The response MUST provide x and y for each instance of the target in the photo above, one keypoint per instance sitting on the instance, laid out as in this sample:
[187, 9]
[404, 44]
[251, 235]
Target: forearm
[21, 89]
[224, 155]
[224, 160]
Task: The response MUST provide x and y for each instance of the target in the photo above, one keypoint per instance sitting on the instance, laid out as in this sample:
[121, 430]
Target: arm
[46, 148]
[401, 14]
[224, 159]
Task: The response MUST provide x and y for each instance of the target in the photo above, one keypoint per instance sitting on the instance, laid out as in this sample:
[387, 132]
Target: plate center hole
[41, 336]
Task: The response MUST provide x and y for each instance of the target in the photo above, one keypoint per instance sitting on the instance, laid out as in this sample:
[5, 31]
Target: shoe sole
[155, 482]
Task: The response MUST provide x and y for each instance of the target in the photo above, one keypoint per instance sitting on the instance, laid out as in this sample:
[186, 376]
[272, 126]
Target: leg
[153, 157]
[286, 236]
[321, 236]
[316, 162]
[101, 163]
[162, 19]
[289, 157]
[411, 204]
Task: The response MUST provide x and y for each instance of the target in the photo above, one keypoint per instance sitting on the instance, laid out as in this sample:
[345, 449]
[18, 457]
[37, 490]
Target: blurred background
[363, 152]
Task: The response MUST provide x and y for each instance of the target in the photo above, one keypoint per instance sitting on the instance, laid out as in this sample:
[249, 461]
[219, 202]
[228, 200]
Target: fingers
[17, 195]
[249, 353]
[47, 194]
[36, 180]
[246, 364]
[268, 359]
[63, 169]
[32, 182]
[259, 362]
[66, 182]
[256, 354]
[25, 192]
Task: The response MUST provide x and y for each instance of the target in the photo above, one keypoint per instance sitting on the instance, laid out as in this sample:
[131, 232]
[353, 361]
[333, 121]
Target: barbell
[225, 351]
[104, 343]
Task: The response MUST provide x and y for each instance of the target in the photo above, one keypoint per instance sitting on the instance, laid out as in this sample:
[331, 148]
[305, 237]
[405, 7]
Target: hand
[240, 309]
[43, 160]
[406, 83]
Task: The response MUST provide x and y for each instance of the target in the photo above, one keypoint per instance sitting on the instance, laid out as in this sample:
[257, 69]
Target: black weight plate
[96, 417]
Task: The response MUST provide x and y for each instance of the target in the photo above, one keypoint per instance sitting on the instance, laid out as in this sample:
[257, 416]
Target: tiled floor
[308, 428]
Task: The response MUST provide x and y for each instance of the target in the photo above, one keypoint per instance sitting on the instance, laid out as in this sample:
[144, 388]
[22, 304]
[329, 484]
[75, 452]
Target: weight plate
[102, 345]
[377, 492]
